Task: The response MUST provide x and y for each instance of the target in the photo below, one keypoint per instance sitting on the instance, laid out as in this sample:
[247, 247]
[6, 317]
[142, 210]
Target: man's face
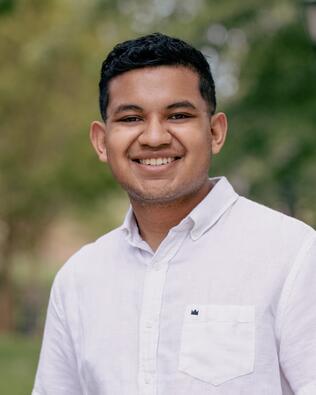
[157, 138]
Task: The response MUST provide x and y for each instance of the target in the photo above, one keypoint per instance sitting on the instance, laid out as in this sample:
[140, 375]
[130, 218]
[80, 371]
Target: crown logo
[194, 312]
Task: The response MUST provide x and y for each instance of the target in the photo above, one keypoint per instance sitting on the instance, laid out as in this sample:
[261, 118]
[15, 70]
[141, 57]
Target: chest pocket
[218, 342]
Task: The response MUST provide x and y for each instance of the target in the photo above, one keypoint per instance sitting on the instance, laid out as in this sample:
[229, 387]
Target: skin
[159, 113]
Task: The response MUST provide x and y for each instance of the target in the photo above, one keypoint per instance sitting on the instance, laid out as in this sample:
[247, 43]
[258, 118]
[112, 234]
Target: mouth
[163, 161]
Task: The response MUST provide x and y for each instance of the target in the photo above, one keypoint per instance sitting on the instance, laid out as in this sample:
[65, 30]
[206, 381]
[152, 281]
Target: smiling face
[159, 136]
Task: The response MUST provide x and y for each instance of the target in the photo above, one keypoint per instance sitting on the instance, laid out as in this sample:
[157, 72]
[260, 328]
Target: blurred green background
[55, 196]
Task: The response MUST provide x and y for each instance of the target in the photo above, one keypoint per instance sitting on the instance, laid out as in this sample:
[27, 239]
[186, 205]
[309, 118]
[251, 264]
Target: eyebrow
[127, 107]
[173, 106]
[181, 104]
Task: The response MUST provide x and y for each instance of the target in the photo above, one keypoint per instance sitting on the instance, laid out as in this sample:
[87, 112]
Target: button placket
[149, 327]
[150, 316]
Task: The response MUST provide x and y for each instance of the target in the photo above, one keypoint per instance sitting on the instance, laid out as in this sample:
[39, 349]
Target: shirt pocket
[218, 342]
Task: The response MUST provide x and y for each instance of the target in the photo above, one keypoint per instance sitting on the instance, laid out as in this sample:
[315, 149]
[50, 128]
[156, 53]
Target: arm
[297, 327]
[57, 371]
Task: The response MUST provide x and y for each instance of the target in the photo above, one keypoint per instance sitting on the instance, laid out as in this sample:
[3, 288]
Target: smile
[156, 161]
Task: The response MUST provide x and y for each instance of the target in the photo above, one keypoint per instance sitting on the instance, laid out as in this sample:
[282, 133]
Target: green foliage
[272, 143]
[6, 6]
[18, 361]
[50, 58]
[48, 91]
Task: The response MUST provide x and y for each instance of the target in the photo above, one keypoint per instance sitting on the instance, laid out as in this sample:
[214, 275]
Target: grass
[18, 362]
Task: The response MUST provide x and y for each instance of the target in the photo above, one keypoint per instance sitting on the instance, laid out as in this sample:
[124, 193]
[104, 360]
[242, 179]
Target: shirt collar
[212, 207]
[129, 225]
[201, 218]
[130, 228]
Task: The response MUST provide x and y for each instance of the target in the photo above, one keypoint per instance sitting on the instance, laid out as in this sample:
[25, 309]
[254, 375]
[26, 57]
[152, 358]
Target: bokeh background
[54, 194]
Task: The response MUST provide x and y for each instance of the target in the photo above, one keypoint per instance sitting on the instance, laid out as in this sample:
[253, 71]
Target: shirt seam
[57, 299]
[289, 285]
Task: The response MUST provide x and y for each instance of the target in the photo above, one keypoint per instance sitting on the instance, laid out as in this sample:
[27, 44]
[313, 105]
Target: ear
[218, 131]
[97, 138]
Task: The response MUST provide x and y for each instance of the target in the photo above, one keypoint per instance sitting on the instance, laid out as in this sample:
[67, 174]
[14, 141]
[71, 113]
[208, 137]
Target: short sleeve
[298, 323]
[57, 371]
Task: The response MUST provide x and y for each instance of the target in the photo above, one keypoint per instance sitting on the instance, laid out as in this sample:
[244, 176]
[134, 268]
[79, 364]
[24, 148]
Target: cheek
[117, 144]
[201, 153]
[196, 135]
[200, 144]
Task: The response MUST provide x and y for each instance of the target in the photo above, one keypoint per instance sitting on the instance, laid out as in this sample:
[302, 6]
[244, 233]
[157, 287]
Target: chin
[162, 196]
[158, 199]
[152, 198]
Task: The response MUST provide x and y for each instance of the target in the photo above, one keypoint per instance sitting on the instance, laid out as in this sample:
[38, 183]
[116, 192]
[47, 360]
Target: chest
[202, 317]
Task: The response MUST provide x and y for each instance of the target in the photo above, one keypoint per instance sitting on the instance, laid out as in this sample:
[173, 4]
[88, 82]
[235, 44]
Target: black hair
[151, 51]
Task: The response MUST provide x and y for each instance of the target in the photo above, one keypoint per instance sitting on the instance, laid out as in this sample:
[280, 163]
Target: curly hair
[154, 50]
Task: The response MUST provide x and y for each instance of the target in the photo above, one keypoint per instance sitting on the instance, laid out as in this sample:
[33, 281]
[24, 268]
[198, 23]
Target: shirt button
[148, 380]
[149, 324]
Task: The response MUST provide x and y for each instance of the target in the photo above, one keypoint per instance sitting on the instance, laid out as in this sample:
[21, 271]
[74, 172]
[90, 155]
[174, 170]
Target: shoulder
[264, 219]
[90, 260]
[269, 232]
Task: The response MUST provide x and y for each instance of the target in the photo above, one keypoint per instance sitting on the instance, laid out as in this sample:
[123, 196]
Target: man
[200, 291]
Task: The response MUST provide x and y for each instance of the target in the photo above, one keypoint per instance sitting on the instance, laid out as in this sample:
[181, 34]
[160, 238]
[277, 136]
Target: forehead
[155, 86]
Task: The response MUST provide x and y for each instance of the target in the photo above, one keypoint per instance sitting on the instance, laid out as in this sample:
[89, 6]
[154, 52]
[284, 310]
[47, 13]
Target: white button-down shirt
[225, 306]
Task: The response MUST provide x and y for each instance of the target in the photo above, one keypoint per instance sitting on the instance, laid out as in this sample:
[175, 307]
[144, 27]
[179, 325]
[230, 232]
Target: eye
[180, 116]
[130, 118]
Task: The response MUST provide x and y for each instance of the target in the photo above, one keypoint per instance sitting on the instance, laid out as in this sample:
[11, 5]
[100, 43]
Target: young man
[200, 291]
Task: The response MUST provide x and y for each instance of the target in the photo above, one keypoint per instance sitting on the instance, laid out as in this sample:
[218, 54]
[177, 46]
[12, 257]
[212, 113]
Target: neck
[156, 219]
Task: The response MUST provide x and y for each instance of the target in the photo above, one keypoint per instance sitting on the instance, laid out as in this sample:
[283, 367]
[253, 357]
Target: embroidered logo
[194, 312]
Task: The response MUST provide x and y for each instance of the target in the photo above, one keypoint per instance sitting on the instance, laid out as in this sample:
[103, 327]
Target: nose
[155, 134]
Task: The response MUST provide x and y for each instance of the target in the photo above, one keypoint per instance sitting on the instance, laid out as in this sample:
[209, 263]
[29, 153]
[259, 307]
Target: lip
[155, 155]
[155, 169]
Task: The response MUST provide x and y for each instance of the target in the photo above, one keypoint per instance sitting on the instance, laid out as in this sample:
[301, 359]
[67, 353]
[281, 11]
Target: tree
[50, 57]
[45, 108]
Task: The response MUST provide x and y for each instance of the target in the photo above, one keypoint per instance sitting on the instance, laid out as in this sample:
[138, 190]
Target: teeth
[156, 161]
